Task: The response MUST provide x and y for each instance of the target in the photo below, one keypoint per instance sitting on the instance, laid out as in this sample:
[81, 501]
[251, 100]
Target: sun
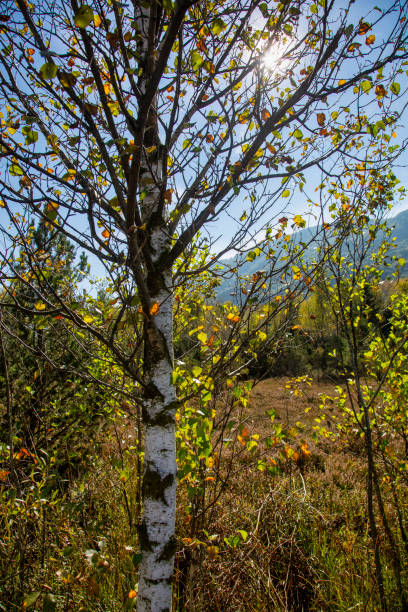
[273, 59]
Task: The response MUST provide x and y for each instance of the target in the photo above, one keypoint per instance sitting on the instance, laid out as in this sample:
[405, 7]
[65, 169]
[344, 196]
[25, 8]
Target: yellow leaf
[97, 20]
[107, 88]
[40, 306]
[202, 337]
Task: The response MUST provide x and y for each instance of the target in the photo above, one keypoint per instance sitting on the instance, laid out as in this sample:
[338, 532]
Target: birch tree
[133, 127]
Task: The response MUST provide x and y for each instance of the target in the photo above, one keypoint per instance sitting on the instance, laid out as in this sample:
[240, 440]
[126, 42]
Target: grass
[296, 540]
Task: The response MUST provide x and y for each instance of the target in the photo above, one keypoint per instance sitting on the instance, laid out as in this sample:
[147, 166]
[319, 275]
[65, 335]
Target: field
[298, 539]
[284, 528]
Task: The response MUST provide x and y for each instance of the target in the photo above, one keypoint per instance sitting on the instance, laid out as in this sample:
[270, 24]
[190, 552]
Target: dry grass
[308, 546]
[290, 541]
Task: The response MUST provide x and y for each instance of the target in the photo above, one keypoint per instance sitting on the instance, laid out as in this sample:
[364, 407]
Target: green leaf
[217, 26]
[30, 600]
[15, 170]
[168, 6]
[366, 86]
[136, 559]
[401, 261]
[196, 60]
[286, 193]
[48, 71]
[395, 88]
[263, 7]
[31, 135]
[49, 603]
[298, 134]
[186, 144]
[349, 30]
[244, 534]
[84, 16]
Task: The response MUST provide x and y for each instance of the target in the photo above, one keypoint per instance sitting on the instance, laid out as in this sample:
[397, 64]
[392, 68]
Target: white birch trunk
[157, 538]
[156, 532]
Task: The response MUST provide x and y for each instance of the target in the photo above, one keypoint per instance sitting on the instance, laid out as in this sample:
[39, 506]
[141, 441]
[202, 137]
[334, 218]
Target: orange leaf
[265, 114]
[370, 39]
[170, 88]
[106, 233]
[321, 119]
[167, 195]
[201, 45]
[210, 341]
[363, 28]
[3, 475]
[305, 449]
[341, 82]
[245, 431]
[380, 91]
[128, 36]
[154, 309]
[132, 594]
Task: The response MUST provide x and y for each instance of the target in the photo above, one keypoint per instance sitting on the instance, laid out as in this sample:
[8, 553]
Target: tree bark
[156, 532]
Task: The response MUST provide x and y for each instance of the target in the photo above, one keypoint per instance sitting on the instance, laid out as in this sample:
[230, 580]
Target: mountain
[227, 289]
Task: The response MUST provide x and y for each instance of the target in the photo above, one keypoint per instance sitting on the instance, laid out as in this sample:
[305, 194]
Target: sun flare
[273, 59]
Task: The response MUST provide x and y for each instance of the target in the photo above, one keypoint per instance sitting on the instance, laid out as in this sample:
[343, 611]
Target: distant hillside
[226, 291]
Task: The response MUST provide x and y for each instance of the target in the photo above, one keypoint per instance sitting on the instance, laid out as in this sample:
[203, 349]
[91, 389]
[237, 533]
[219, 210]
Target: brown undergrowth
[297, 539]
[292, 539]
